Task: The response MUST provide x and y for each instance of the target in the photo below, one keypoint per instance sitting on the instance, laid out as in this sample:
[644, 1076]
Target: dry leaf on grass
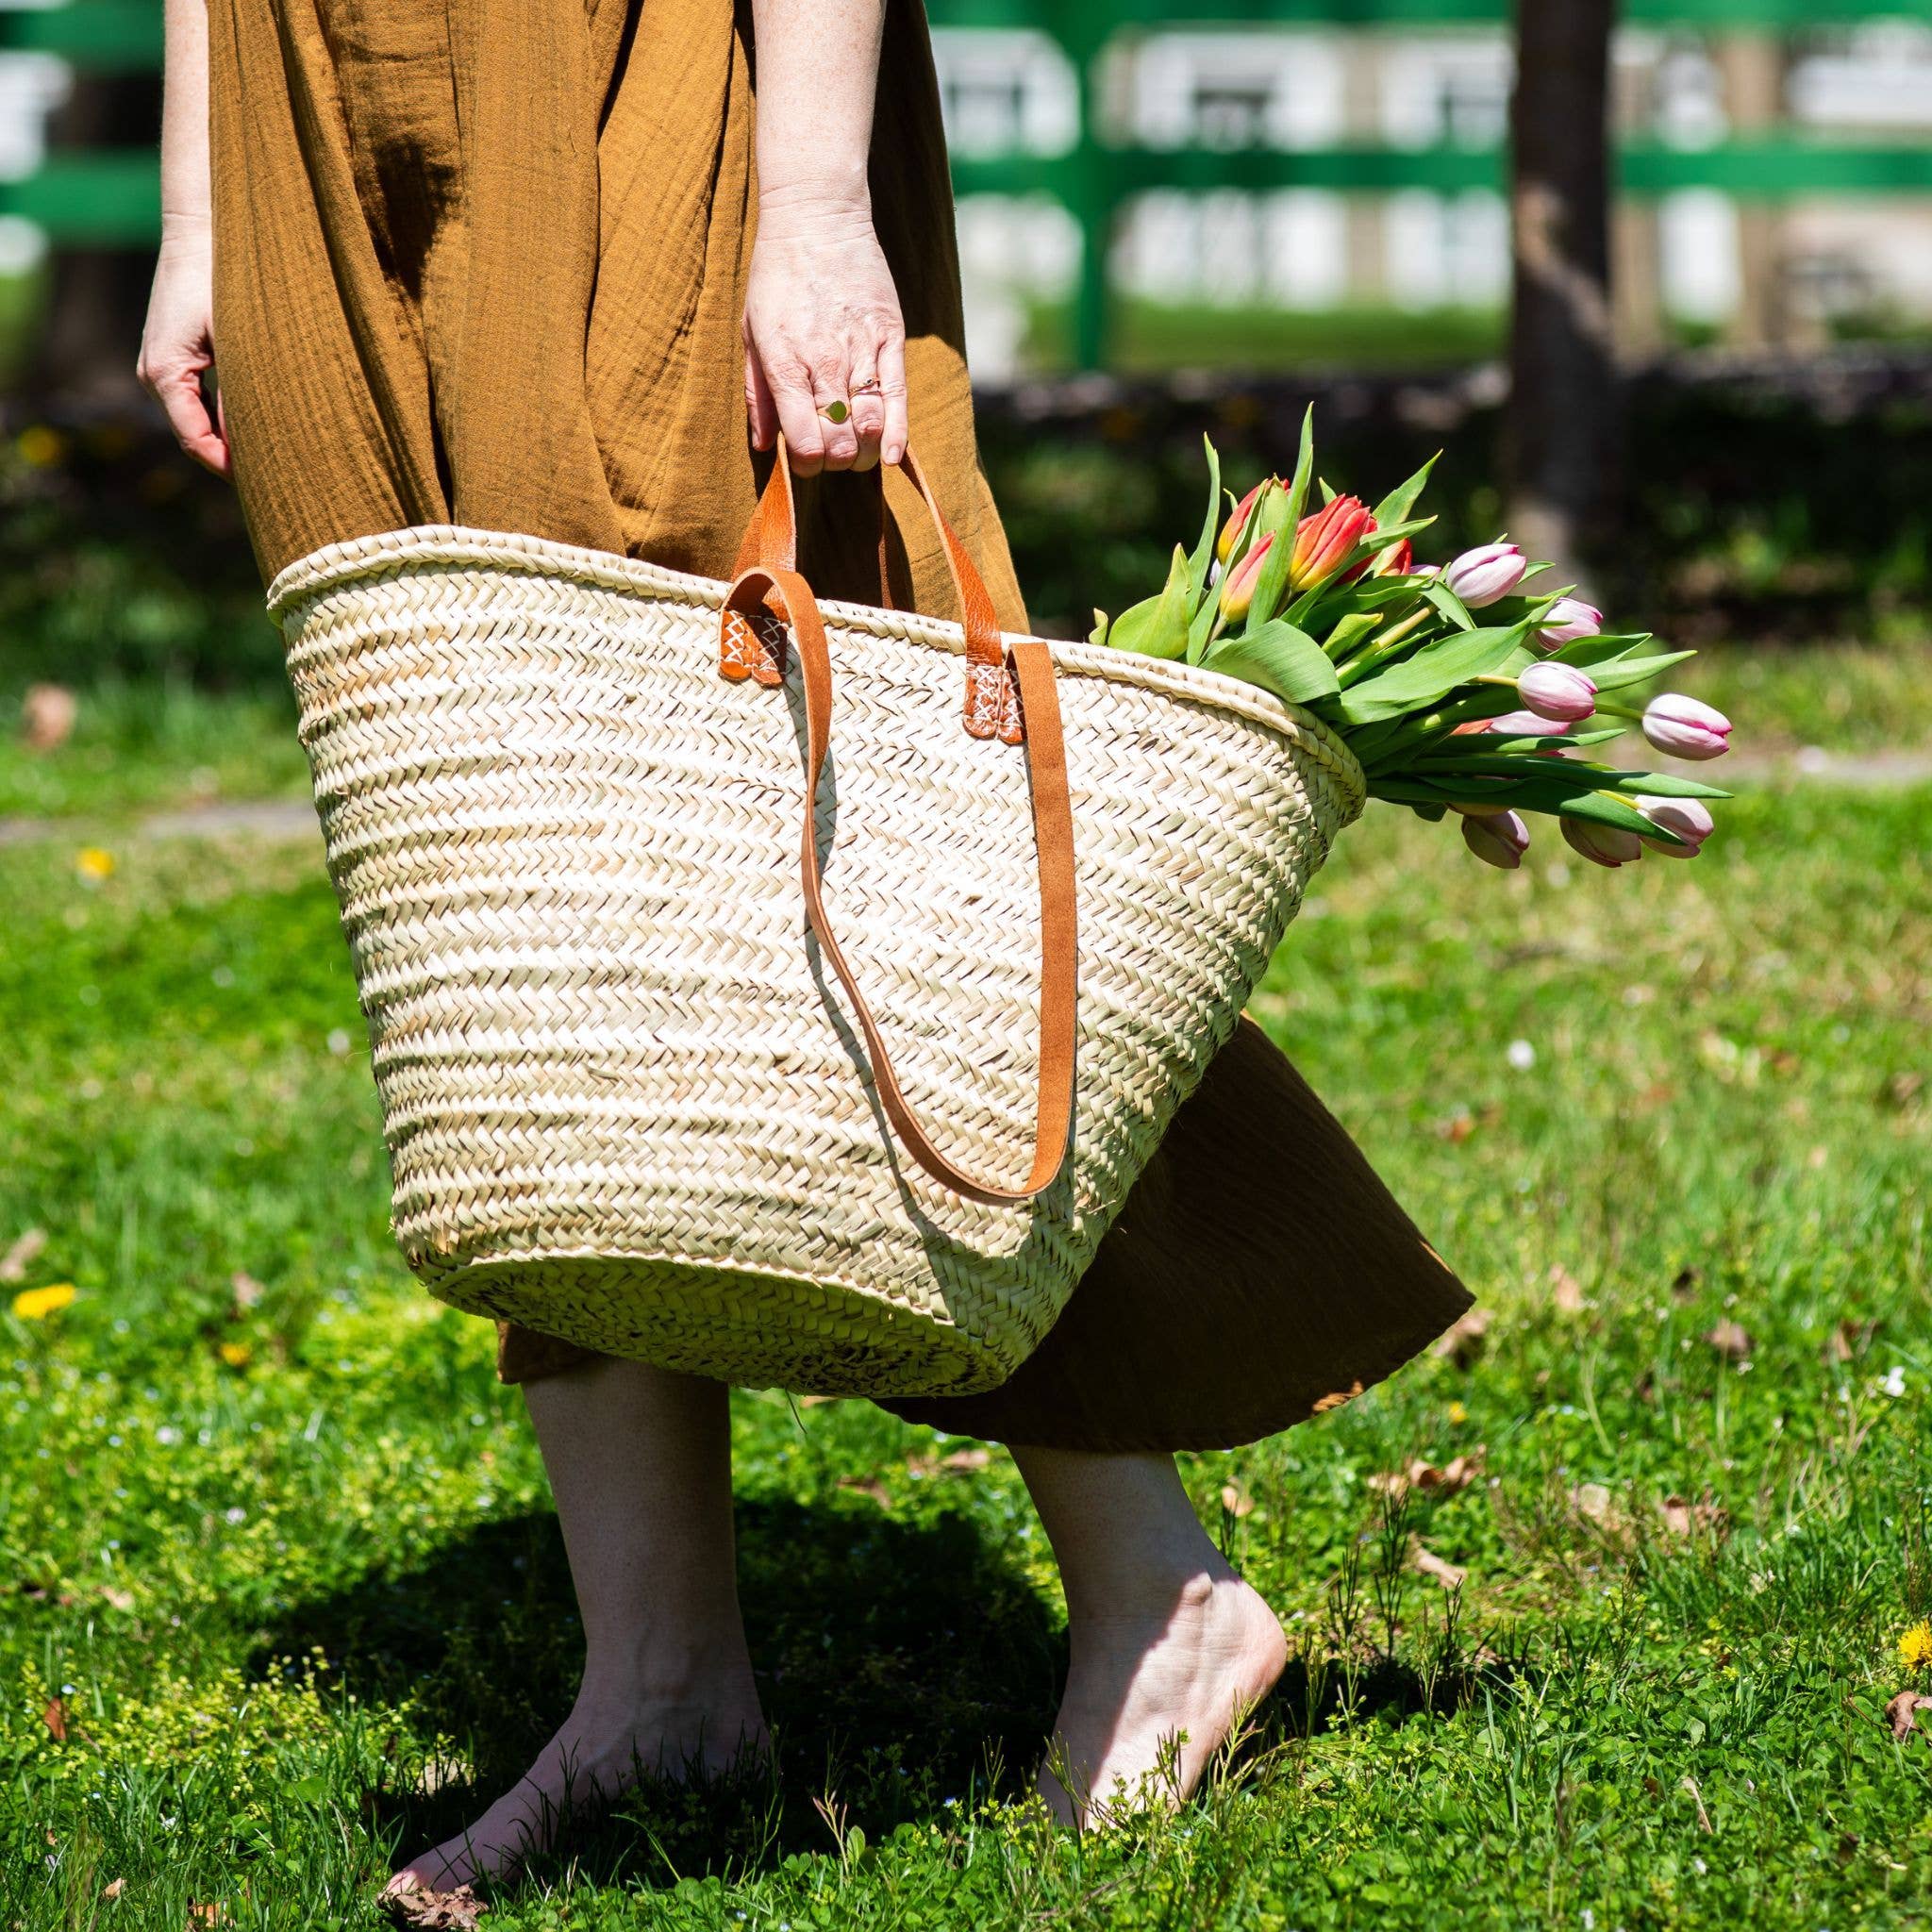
[22, 1254]
[1236, 1500]
[1731, 1340]
[436, 1911]
[207, 1915]
[114, 1887]
[47, 716]
[59, 1722]
[1462, 1340]
[868, 1485]
[246, 1289]
[1450, 1575]
[1681, 1518]
[1849, 1341]
[1566, 1290]
[1454, 1477]
[1903, 1712]
[117, 1599]
[1324, 1404]
[1599, 1506]
[967, 1459]
[1690, 1784]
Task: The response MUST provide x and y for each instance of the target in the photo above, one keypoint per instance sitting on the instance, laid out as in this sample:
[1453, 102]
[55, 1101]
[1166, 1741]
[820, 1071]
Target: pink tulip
[1482, 576]
[1231, 530]
[1238, 587]
[1686, 817]
[1685, 728]
[1569, 617]
[1497, 837]
[1605, 845]
[1526, 725]
[1324, 541]
[1557, 691]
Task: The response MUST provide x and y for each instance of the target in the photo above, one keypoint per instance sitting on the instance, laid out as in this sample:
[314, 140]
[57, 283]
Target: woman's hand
[177, 346]
[822, 326]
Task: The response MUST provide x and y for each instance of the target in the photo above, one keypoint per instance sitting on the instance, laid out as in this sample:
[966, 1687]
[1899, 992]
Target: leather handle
[1053, 836]
[771, 542]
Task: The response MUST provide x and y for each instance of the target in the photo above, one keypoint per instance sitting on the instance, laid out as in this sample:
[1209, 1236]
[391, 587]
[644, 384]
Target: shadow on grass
[901, 1665]
[908, 1671]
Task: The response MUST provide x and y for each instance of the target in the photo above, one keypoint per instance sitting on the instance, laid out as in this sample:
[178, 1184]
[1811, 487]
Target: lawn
[285, 1598]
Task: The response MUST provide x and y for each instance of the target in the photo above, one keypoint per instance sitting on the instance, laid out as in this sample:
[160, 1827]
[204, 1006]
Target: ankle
[1151, 1594]
[634, 1676]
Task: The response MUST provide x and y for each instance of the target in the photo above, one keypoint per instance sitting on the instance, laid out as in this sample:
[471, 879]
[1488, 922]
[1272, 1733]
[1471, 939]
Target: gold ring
[834, 411]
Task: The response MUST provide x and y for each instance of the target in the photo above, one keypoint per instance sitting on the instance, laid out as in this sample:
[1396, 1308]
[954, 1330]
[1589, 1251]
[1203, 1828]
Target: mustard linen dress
[484, 263]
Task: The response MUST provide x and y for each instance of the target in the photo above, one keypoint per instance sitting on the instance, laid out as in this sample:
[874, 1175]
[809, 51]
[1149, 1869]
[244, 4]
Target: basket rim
[435, 546]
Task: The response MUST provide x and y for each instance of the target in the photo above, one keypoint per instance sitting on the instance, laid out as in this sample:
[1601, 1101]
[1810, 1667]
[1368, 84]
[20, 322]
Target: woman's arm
[821, 315]
[178, 343]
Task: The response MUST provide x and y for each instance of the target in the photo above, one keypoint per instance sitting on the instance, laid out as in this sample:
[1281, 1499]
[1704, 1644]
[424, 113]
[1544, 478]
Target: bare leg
[639, 1462]
[1166, 1638]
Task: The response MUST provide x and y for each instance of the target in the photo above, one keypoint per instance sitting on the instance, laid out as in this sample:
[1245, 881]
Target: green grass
[288, 1571]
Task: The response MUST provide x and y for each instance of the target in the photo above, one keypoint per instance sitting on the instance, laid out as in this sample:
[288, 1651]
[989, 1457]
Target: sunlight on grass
[286, 1595]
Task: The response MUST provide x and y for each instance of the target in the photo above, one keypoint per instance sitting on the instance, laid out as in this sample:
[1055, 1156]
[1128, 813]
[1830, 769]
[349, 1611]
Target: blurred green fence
[110, 199]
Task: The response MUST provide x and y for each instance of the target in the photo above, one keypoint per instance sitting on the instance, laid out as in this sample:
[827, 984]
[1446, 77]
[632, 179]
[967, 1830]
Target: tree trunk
[1564, 434]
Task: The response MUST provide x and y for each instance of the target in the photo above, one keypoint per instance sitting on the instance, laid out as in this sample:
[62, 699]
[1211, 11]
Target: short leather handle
[1053, 836]
[771, 542]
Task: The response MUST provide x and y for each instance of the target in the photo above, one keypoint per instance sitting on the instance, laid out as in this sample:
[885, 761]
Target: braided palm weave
[624, 1100]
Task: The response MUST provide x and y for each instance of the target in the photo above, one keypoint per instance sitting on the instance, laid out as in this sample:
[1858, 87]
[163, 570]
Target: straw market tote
[740, 1001]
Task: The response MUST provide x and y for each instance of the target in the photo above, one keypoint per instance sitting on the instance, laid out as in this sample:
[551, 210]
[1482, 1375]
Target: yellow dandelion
[92, 863]
[37, 1304]
[1458, 1414]
[40, 446]
[238, 1354]
[1915, 1646]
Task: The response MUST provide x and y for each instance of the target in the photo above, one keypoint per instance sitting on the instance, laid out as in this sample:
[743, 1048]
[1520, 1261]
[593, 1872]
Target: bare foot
[703, 1725]
[1154, 1691]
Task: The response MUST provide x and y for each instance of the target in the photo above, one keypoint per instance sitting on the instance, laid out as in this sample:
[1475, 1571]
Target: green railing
[109, 200]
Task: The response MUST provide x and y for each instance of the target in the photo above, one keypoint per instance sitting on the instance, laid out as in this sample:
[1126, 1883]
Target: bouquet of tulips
[1448, 710]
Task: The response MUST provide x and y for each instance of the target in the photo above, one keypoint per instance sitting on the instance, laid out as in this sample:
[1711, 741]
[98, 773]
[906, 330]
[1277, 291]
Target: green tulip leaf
[1272, 521]
[1157, 627]
[1628, 671]
[1277, 657]
[1304, 468]
[1204, 550]
[1401, 500]
[1602, 809]
[1448, 603]
[1433, 672]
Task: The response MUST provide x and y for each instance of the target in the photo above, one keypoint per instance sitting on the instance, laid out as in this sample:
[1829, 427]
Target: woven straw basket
[648, 1081]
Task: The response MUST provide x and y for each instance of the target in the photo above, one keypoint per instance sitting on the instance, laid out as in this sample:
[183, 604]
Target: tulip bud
[1557, 691]
[1569, 617]
[1685, 728]
[1497, 837]
[1525, 724]
[1238, 587]
[1231, 530]
[1687, 817]
[1605, 845]
[1395, 561]
[1323, 541]
[1482, 576]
